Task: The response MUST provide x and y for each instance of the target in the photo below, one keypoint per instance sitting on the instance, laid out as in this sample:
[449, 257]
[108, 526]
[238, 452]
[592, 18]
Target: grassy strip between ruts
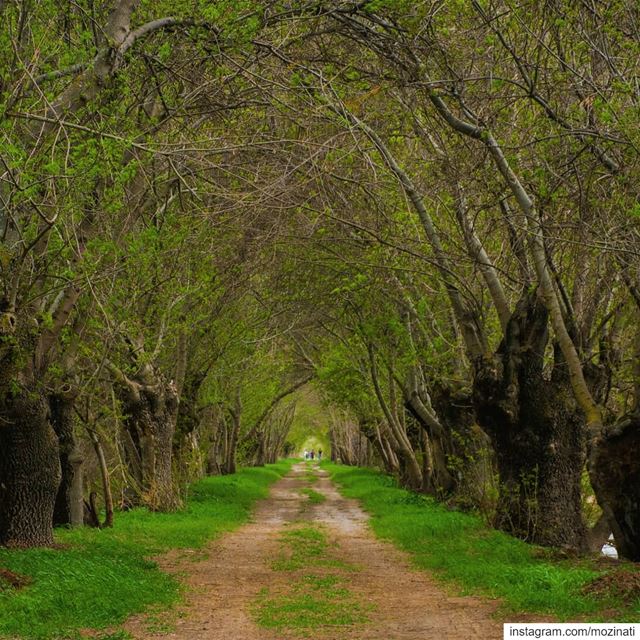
[459, 548]
[316, 597]
[97, 578]
[314, 496]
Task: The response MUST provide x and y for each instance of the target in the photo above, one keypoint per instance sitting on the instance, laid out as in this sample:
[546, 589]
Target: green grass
[310, 475]
[313, 602]
[314, 496]
[316, 596]
[100, 577]
[302, 546]
[459, 548]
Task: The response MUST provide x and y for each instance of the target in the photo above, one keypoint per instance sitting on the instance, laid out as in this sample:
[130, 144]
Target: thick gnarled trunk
[537, 434]
[465, 470]
[150, 418]
[29, 470]
[614, 469]
[446, 425]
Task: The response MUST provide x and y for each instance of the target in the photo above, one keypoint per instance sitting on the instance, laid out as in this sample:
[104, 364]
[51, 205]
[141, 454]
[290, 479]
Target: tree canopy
[407, 229]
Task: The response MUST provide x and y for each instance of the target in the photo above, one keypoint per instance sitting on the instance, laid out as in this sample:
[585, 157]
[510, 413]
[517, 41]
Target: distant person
[306, 454]
[312, 454]
[319, 454]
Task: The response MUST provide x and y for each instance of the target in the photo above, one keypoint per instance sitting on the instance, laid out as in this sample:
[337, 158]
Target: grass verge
[100, 577]
[460, 549]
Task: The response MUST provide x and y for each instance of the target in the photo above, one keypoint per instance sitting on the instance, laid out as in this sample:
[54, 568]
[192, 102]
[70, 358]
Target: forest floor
[307, 565]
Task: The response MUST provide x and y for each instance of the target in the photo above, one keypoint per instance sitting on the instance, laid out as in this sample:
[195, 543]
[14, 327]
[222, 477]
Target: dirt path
[224, 586]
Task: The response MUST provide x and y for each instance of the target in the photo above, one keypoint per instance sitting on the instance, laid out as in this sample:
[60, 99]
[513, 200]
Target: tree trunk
[104, 476]
[259, 457]
[232, 447]
[427, 464]
[29, 470]
[614, 469]
[216, 429]
[370, 429]
[69, 506]
[150, 419]
[440, 480]
[188, 419]
[537, 433]
[410, 471]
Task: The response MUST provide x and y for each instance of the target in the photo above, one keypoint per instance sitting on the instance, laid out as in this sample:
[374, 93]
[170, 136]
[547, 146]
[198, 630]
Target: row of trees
[430, 209]
[522, 174]
[135, 217]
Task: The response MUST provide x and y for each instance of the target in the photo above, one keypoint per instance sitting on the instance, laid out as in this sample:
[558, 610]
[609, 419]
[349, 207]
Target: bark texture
[537, 433]
[150, 406]
[29, 470]
[446, 417]
[69, 506]
[614, 466]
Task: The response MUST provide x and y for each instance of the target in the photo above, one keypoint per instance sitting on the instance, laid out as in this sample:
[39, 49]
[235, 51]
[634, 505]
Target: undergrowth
[96, 578]
[462, 550]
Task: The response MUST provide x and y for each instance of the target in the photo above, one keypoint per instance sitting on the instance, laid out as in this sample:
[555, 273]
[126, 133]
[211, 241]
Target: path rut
[223, 586]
